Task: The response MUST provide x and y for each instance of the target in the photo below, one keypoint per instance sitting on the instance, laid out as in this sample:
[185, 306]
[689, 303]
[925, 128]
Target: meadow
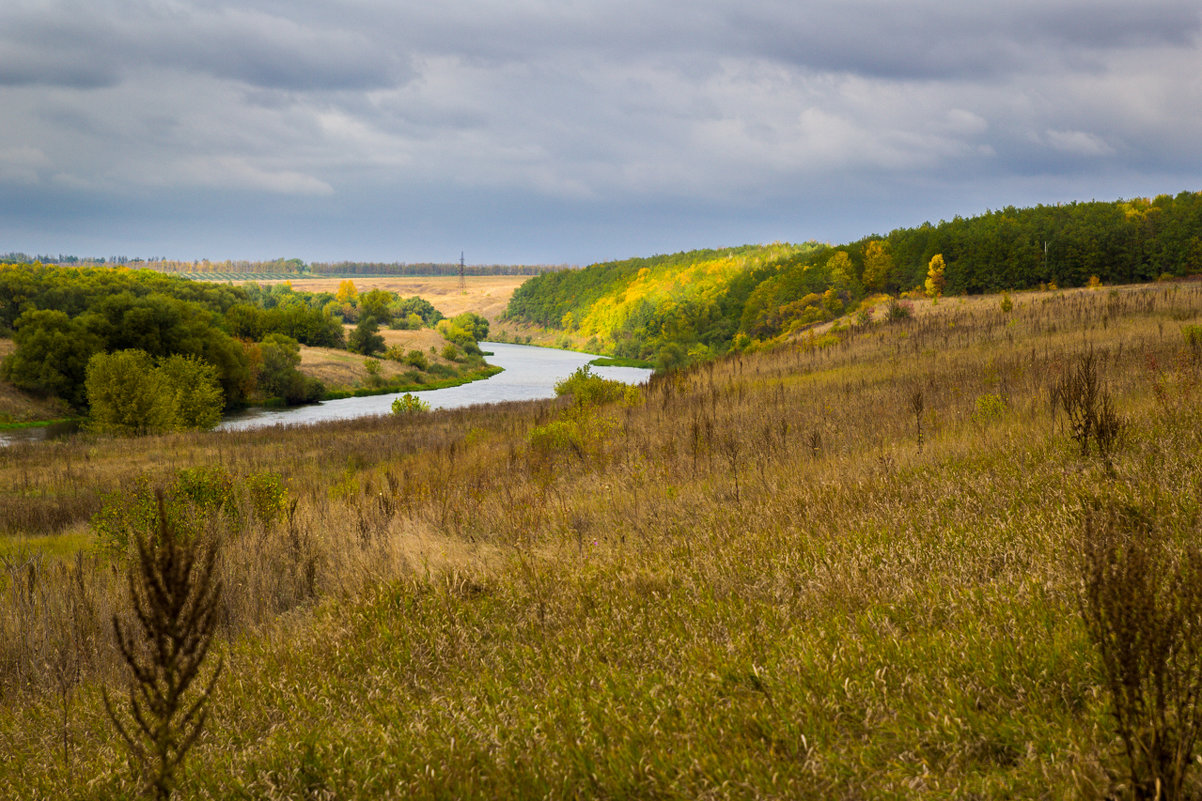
[848, 565]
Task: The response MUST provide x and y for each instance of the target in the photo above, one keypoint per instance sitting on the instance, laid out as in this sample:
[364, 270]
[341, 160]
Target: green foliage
[279, 374]
[194, 393]
[415, 358]
[450, 352]
[409, 404]
[988, 407]
[409, 307]
[127, 395]
[1007, 305]
[366, 338]
[130, 393]
[52, 354]
[589, 389]
[196, 499]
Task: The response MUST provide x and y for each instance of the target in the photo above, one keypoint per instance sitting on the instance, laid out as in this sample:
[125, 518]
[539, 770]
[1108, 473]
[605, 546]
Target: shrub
[1087, 406]
[366, 338]
[898, 310]
[988, 408]
[129, 393]
[1142, 606]
[587, 388]
[1007, 304]
[415, 358]
[409, 404]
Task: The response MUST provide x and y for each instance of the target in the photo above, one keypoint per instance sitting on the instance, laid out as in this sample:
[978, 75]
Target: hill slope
[821, 572]
[700, 302]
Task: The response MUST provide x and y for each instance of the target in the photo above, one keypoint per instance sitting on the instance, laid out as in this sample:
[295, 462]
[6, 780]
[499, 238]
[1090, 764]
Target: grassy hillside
[847, 571]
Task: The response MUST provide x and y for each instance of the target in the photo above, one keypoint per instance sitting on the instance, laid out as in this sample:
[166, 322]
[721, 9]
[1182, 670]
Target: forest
[688, 306]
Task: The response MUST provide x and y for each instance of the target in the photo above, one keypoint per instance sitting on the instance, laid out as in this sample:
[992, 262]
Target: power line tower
[462, 275]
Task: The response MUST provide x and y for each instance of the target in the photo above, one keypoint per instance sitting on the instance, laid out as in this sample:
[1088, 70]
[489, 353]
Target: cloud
[756, 111]
[22, 165]
[1079, 143]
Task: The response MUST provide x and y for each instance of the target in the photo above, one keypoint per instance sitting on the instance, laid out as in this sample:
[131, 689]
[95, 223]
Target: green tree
[52, 354]
[376, 303]
[127, 395]
[194, 391]
[366, 338]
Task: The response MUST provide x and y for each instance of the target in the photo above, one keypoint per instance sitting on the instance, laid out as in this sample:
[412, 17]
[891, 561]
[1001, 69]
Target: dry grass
[751, 584]
[486, 295]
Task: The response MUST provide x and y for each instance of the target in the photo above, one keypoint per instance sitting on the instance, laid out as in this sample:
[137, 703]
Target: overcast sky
[573, 131]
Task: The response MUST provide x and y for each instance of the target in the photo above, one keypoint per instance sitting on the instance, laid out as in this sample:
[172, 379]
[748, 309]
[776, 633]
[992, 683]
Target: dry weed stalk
[1142, 605]
[176, 602]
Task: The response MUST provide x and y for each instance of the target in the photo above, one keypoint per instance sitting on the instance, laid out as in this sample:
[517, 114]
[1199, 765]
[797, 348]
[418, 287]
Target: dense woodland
[688, 306]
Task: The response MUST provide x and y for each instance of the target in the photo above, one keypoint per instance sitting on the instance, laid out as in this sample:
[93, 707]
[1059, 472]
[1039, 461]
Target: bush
[366, 338]
[409, 404]
[1142, 606]
[587, 388]
[415, 358]
[898, 310]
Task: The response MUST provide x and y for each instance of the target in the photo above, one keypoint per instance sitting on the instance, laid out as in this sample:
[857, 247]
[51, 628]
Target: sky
[573, 131]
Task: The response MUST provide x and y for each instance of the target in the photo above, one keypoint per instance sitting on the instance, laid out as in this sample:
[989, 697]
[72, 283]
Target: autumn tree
[878, 264]
[935, 279]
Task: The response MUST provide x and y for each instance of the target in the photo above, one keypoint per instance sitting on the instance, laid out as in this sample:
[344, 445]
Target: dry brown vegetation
[753, 582]
[486, 295]
[341, 369]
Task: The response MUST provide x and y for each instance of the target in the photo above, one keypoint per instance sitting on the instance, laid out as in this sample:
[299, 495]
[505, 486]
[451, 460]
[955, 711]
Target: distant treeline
[348, 268]
[688, 306]
[285, 267]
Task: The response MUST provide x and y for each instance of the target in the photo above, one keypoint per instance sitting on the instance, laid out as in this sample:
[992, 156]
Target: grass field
[847, 567]
[486, 295]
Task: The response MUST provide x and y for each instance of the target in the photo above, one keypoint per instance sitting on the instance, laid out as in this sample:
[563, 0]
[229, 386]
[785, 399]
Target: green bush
[409, 404]
[194, 500]
[587, 388]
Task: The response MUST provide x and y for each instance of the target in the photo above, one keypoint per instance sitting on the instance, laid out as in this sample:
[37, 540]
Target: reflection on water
[38, 433]
[530, 374]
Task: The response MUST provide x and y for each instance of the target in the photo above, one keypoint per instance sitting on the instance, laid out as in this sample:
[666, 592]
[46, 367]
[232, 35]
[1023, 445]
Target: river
[530, 373]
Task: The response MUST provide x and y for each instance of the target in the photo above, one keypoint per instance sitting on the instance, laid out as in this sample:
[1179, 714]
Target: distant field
[486, 295]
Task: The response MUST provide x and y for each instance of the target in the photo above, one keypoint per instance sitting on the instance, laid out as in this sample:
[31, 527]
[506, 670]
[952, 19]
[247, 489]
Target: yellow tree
[935, 279]
[878, 264]
[347, 292]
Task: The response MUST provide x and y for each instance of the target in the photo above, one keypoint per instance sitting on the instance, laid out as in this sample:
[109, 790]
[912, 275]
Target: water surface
[530, 374]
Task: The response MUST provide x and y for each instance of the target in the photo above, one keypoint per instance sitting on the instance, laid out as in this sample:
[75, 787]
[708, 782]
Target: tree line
[689, 305]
